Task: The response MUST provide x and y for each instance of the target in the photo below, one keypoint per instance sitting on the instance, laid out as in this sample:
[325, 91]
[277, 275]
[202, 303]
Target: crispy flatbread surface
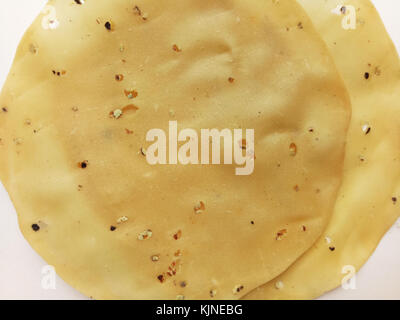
[89, 81]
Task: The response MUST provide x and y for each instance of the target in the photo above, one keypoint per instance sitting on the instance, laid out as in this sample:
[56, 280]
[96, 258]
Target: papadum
[91, 79]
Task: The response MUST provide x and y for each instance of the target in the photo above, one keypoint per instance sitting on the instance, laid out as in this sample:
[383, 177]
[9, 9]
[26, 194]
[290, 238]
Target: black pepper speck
[83, 164]
[108, 25]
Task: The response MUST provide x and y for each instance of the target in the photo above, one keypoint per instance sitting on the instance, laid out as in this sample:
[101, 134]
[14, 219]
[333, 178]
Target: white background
[21, 267]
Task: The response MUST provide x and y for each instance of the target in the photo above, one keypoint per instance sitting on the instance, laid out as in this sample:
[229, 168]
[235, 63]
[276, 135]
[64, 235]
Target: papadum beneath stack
[367, 204]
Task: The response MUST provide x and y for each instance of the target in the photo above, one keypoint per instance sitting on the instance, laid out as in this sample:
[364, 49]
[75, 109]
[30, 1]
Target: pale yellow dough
[64, 105]
[368, 202]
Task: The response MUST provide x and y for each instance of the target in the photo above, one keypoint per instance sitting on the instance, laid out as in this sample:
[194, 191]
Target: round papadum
[90, 80]
[367, 204]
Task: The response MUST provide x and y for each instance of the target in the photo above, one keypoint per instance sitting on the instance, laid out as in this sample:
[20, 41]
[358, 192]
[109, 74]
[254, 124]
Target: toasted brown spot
[130, 107]
[130, 94]
[280, 234]
[118, 113]
[178, 253]
[199, 208]
[237, 289]
[139, 12]
[243, 144]
[293, 149]
[119, 77]
[147, 234]
[33, 49]
[59, 73]
[176, 48]
[178, 235]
